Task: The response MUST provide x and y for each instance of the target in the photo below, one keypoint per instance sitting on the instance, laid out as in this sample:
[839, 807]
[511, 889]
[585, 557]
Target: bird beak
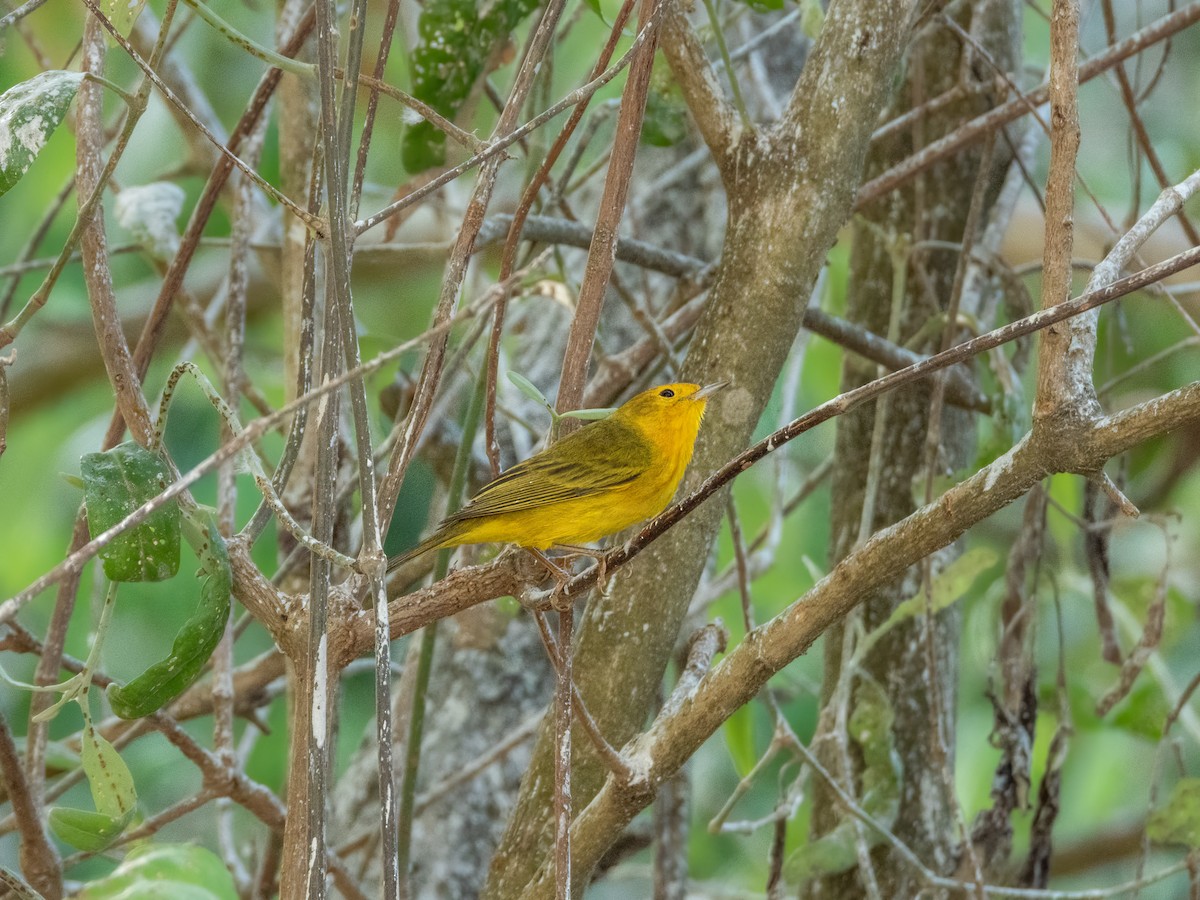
[709, 389]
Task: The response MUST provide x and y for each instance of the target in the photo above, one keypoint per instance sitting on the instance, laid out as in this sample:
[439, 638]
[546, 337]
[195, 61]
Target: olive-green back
[597, 458]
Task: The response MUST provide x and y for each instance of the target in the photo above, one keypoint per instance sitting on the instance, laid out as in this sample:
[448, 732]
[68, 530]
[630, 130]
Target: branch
[843, 403]
[1064, 377]
[719, 125]
[996, 118]
[122, 373]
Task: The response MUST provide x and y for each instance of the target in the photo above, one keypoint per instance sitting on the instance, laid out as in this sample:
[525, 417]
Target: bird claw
[558, 597]
[559, 601]
[602, 574]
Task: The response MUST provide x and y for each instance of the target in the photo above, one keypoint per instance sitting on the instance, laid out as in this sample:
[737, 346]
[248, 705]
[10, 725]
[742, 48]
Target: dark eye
[666, 392]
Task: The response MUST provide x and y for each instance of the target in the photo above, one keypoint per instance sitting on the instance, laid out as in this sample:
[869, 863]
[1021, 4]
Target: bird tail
[442, 537]
[430, 543]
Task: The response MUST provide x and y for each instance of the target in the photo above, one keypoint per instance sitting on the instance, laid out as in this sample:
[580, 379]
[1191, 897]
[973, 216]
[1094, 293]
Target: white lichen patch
[149, 211]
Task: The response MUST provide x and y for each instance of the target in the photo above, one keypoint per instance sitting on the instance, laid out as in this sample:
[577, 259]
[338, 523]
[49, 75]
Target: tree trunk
[883, 460]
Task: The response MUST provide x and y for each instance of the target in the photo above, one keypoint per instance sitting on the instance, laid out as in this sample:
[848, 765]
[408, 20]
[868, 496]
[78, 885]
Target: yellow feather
[598, 480]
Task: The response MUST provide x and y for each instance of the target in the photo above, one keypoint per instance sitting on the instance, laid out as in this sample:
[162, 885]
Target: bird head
[669, 408]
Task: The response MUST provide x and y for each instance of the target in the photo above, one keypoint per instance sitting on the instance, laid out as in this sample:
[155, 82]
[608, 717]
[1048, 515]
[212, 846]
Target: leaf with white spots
[116, 483]
[29, 113]
[457, 41]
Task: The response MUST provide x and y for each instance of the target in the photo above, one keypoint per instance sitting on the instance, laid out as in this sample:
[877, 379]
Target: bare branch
[719, 125]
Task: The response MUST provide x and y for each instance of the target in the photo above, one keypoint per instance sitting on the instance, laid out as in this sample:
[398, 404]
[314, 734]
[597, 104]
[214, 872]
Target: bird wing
[592, 460]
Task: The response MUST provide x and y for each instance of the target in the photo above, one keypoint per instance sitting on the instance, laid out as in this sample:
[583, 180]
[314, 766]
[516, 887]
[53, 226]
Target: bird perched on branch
[594, 482]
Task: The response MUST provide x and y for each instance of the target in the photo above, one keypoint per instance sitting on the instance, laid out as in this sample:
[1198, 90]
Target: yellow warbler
[599, 479]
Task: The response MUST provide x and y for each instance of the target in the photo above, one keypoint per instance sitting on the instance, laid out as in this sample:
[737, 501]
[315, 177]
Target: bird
[594, 482]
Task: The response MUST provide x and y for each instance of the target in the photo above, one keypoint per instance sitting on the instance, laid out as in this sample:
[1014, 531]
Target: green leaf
[29, 113]
[116, 483]
[112, 791]
[602, 412]
[194, 644]
[108, 776]
[122, 14]
[86, 830]
[739, 738]
[456, 41]
[165, 872]
[1178, 822]
[529, 389]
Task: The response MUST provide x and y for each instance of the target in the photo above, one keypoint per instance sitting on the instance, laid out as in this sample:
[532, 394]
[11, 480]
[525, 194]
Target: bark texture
[882, 456]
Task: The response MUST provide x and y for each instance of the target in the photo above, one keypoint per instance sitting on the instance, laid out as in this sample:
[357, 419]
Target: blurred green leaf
[739, 738]
[665, 122]
[949, 585]
[29, 113]
[116, 483]
[1178, 821]
[1143, 713]
[812, 17]
[165, 872]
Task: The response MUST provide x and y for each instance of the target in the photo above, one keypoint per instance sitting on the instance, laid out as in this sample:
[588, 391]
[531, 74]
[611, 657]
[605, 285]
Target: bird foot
[558, 598]
[601, 559]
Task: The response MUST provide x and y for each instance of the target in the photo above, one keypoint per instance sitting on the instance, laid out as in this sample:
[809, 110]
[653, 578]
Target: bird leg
[560, 575]
[601, 558]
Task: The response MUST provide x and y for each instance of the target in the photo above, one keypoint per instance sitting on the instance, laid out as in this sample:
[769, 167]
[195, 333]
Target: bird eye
[666, 392]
